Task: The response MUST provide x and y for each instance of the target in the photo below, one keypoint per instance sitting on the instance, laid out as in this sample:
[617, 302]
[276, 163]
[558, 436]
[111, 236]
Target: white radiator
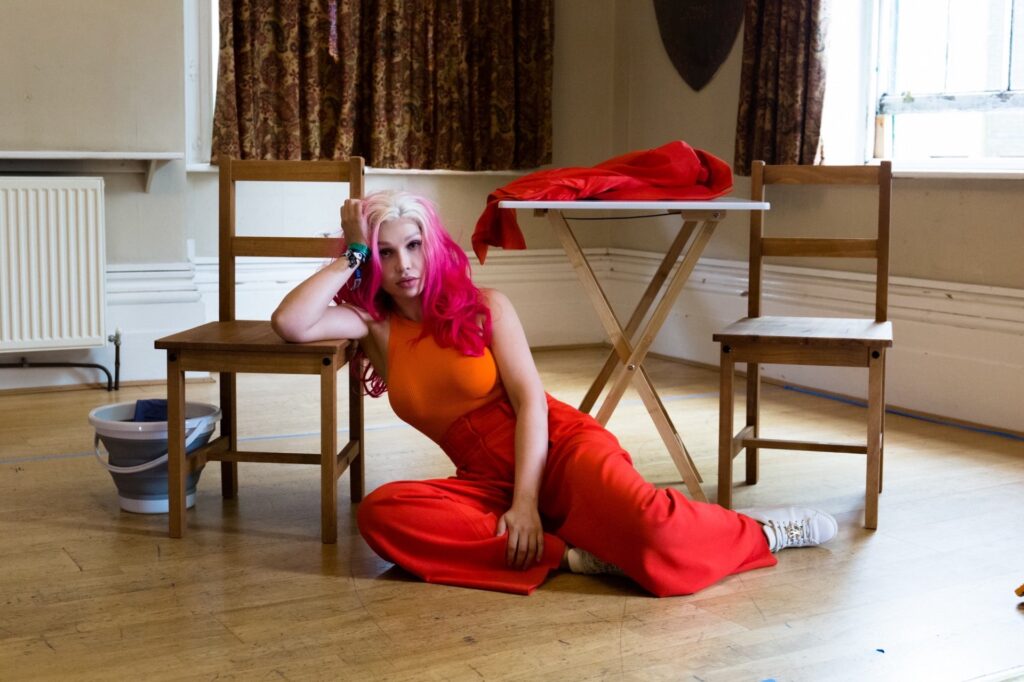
[52, 263]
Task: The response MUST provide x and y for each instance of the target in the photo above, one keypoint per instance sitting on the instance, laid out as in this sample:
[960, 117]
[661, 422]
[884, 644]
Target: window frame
[200, 76]
[882, 106]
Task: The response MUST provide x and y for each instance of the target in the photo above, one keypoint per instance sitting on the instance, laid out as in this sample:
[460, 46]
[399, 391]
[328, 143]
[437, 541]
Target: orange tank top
[430, 387]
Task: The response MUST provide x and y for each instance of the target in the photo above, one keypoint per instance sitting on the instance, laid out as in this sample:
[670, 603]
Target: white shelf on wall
[147, 163]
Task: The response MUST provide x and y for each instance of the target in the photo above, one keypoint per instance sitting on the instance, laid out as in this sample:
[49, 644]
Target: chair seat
[242, 336]
[804, 331]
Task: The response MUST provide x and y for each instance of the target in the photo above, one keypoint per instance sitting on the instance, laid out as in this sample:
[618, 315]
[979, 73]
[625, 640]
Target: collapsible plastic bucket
[137, 453]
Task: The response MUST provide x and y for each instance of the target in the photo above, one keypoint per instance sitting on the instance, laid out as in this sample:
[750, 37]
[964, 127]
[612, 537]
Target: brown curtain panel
[457, 84]
[782, 86]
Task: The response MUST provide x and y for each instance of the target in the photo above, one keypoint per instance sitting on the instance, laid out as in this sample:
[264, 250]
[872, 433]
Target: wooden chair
[230, 346]
[759, 339]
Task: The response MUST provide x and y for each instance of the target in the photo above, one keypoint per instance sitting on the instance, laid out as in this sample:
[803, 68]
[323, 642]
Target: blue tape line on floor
[901, 413]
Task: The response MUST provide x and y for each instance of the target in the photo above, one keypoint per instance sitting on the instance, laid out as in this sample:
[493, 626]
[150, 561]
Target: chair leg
[357, 470]
[881, 446]
[176, 466]
[329, 451]
[725, 429]
[875, 406]
[753, 418]
[229, 428]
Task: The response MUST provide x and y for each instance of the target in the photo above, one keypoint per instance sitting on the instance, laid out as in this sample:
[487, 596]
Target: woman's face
[400, 245]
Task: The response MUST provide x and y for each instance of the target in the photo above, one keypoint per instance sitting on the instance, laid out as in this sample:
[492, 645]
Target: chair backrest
[831, 247]
[232, 246]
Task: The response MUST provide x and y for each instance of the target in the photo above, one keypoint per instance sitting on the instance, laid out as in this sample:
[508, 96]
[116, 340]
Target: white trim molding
[540, 283]
[958, 352]
[959, 349]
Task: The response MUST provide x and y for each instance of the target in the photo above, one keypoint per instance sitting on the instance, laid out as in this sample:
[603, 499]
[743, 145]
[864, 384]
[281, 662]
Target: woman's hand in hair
[353, 222]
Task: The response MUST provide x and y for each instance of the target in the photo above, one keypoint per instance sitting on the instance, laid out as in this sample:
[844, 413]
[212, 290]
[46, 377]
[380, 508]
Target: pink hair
[454, 310]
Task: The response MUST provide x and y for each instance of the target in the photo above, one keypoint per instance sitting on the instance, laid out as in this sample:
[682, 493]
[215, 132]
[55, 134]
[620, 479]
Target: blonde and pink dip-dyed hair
[454, 310]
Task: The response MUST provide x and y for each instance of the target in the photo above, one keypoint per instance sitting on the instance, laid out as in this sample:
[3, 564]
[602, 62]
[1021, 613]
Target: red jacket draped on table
[673, 171]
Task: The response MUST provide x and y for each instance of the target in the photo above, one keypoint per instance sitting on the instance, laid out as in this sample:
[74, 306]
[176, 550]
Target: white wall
[108, 75]
[965, 231]
[121, 87]
[92, 75]
[102, 76]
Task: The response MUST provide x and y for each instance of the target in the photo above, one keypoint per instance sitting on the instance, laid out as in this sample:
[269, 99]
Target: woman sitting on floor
[538, 485]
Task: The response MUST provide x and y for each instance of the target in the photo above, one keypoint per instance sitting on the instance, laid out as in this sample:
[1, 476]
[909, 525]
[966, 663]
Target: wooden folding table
[631, 344]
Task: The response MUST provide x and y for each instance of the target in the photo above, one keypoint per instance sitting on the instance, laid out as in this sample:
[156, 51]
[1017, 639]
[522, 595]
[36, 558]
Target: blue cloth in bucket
[154, 410]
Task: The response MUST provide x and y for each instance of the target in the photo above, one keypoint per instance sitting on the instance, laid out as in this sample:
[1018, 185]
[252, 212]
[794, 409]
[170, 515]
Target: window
[927, 83]
[202, 45]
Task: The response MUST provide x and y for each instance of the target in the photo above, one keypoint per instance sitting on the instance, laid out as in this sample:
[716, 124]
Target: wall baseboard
[959, 348]
[958, 352]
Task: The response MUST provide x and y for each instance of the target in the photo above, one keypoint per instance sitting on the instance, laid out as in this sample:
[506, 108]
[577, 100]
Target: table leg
[664, 412]
[674, 444]
[590, 284]
[661, 313]
[631, 357]
[650, 294]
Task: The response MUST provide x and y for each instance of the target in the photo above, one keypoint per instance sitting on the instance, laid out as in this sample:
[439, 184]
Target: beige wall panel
[963, 230]
[583, 82]
[662, 106]
[969, 231]
[104, 75]
[655, 106]
[146, 227]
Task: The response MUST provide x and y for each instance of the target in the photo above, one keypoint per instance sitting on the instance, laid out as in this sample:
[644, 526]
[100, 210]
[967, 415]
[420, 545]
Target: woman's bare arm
[306, 313]
[526, 393]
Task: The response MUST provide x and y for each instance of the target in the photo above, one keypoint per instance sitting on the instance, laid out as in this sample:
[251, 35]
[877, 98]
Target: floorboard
[88, 591]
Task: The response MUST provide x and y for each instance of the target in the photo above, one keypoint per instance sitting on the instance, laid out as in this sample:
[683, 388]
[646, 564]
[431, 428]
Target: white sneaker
[793, 526]
[582, 561]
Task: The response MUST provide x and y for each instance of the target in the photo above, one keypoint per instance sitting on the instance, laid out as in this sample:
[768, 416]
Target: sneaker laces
[582, 561]
[792, 533]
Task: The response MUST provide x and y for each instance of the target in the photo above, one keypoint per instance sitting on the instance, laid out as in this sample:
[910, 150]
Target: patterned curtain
[782, 86]
[458, 84]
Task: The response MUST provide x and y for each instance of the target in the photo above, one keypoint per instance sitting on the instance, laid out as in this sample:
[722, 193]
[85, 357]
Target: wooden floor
[90, 592]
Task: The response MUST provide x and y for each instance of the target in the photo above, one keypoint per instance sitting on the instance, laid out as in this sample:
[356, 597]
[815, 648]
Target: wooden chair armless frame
[231, 346]
[758, 339]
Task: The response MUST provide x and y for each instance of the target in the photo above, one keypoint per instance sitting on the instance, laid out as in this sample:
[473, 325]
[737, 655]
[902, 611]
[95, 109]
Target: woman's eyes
[412, 246]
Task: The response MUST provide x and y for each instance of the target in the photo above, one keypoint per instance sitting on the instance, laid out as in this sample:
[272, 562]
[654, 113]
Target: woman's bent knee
[381, 508]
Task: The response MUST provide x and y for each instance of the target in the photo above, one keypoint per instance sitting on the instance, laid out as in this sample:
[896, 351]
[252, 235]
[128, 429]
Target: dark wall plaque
[698, 35]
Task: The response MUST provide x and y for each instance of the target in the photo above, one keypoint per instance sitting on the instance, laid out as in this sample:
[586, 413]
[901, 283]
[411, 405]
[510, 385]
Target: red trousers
[591, 497]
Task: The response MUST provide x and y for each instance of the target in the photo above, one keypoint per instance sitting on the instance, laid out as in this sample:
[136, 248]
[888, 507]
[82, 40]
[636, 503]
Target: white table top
[720, 204]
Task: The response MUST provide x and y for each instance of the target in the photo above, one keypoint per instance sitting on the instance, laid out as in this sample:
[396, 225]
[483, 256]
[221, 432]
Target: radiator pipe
[113, 383]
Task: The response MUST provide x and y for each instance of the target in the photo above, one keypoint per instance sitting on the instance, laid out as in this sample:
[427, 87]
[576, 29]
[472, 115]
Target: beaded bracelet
[357, 254]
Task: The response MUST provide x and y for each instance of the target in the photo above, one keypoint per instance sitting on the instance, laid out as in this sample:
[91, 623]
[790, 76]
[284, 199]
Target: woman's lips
[408, 282]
